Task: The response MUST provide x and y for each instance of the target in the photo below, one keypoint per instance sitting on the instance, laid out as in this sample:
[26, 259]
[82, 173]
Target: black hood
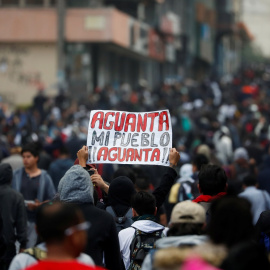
[5, 174]
[120, 191]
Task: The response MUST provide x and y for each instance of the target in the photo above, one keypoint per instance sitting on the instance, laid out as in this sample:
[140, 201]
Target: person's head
[204, 150]
[76, 186]
[186, 171]
[5, 174]
[250, 181]
[143, 203]
[62, 225]
[212, 180]
[240, 154]
[187, 218]
[231, 221]
[198, 161]
[30, 155]
[121, 191]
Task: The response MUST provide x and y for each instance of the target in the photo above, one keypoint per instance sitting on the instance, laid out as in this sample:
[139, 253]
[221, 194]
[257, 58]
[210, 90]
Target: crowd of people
[210, 209]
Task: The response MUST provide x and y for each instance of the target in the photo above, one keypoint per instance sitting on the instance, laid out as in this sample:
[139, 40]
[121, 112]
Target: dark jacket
[264, 176]
[164, 188]
[102, 237]
[46, 189]
[76, 187]
[12, 211]
[58, 168]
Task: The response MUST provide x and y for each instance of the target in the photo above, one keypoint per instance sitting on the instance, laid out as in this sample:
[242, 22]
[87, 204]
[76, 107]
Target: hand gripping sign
[129, 137]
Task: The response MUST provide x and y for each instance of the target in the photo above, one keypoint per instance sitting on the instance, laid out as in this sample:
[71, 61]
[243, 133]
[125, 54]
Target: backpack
[121, 222]
[141, 245]
[36, 252]
[182, 192]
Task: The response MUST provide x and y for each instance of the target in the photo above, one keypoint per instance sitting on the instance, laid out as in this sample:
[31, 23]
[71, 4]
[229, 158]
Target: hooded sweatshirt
[76, 186]
[102, 243]
[13, 213]
[120, 193]
[126, 236]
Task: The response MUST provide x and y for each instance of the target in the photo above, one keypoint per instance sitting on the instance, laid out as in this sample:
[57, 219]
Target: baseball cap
[188, 212]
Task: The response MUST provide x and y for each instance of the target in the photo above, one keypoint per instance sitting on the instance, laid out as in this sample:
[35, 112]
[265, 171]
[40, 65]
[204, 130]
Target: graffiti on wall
[12, 66]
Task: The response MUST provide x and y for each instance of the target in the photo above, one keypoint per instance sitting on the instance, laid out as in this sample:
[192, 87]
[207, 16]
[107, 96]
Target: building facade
[79, 45]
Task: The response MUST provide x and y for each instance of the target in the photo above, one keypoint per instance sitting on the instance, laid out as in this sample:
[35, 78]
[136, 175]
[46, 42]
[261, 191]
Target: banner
[129, 138]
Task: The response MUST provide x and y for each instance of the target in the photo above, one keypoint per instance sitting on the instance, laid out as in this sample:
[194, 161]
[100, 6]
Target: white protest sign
[129, 137]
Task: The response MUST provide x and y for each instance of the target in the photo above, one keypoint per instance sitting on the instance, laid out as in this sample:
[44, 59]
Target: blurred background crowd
[221, 116]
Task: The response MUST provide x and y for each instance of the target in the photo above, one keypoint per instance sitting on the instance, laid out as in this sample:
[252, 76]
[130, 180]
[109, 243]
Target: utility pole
[61, 8]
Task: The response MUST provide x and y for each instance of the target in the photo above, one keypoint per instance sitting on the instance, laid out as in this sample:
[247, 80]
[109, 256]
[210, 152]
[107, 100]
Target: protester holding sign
[129, 138]
[160, 192]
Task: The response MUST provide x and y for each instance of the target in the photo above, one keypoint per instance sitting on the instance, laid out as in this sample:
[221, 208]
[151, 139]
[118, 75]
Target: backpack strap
[36, 253]
[118, 219]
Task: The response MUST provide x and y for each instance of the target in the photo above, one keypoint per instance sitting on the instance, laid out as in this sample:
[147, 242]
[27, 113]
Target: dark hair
[199, 160]
[54, 218]
[212, 179]
[32, 148]
[231, 221]
[250, 180]
[144, 203]
[180, 229]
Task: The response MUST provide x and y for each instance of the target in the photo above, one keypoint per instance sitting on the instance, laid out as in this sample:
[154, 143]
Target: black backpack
[182, 194]
[141, 245]
[121, 222]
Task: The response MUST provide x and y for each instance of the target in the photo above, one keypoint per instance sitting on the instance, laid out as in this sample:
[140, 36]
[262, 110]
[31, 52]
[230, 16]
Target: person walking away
[64, 231]
[187, 229]
[143, 232]
[13, 216]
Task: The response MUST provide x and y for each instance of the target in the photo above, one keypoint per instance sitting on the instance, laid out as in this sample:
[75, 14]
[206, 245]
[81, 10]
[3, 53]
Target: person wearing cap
[242, 165]
[186, 230]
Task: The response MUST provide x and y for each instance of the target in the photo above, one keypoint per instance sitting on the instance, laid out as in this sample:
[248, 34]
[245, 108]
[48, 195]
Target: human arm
[98, 181]
[82, 155]
[21, 223]
[167, 179]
